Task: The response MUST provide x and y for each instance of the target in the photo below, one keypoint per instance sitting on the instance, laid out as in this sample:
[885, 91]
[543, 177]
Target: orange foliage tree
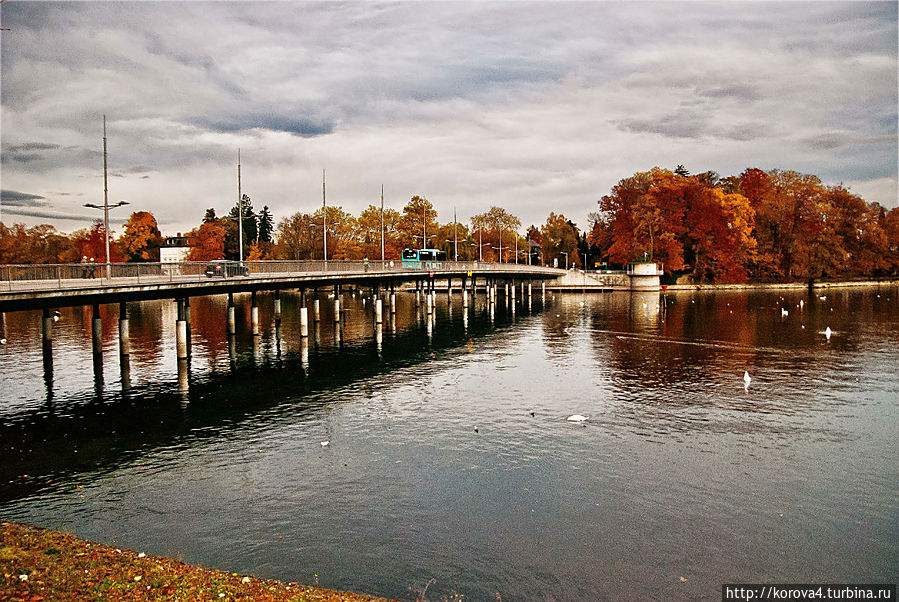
[141, 238]
[38, 244]
[90, 244]
[207, 242]
[681, 221]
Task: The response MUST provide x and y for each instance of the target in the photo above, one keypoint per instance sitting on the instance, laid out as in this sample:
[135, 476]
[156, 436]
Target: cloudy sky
[532, 106]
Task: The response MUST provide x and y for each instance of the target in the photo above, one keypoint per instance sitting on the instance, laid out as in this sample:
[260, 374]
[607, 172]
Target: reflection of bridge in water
[46, 287]
[86, 432]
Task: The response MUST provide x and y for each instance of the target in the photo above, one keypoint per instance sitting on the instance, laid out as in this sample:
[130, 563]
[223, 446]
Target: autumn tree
[141, 238]
[207, 242]
[342, 243]
[497, 229]
[533, 235]
[680, 221]
[209, 216]
[369, 231]
[600, 235]
[298, 238]
[891, 233]
[37, 244]
[559, 237]
[418, 223]
[91, 243]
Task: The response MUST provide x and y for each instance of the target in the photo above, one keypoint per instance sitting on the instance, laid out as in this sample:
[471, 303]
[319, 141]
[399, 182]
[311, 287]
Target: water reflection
[679, 472]
[209, 397]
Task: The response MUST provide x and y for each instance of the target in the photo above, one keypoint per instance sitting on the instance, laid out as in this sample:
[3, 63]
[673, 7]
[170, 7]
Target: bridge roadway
[65, 285]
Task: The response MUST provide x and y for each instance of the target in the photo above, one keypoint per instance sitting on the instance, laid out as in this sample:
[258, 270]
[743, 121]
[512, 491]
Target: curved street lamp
[106, 207]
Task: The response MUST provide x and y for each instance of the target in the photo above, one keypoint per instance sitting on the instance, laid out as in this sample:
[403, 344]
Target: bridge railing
[77, 275]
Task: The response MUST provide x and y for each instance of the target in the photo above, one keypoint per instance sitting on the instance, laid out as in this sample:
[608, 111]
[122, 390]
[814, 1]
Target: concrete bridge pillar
[378, 307]
[187, 322]
[254, 314]
[183, 378]
[47, 326]
[232, 320]
[277, 306]
[513, 292]
[304, 322]
[337, 307]
[180, 334]
[97, 330]
[316, 310]
[124, 331]
[464, 297]
[392, 302]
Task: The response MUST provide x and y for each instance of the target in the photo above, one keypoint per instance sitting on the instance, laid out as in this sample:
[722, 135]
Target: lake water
[451, 468]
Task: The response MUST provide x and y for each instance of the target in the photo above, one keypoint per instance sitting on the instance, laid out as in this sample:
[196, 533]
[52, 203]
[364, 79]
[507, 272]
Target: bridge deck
[36, 287]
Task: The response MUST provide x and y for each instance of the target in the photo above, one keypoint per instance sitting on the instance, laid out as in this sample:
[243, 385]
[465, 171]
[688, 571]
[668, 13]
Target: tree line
[764, 226]
[760, 225]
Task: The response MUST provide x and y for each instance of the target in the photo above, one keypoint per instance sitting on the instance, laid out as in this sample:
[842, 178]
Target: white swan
[578, 418]
[746, 379]
[828, 332]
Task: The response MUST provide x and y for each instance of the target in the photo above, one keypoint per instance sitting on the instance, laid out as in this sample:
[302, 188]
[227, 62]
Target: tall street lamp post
[106, 206]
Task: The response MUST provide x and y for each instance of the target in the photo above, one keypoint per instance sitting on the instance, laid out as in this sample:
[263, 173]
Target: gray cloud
[26, 152]
[58, 215]
[21, 199]
[277, 123]
[538, 106]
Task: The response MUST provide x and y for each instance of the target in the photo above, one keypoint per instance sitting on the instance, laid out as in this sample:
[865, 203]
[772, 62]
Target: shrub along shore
[42, 564]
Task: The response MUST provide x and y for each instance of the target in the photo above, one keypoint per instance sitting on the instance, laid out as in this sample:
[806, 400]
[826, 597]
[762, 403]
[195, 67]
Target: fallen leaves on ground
[39, 564]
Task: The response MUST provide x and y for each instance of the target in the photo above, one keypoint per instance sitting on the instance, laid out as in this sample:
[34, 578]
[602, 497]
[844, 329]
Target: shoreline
[825, 284]
[748, 286]
[43, 564]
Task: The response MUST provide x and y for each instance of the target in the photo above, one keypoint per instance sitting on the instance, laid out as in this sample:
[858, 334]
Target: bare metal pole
[239, 211]
[382, 225]
[455, 238]
[105, 201]
[480, 245]
[424, 231]
[324, 221]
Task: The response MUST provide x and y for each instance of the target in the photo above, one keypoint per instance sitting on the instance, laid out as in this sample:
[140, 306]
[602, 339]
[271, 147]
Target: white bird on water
[578, 418]
[784, 313]
[326, 443]
[828, 332]
[746, 380]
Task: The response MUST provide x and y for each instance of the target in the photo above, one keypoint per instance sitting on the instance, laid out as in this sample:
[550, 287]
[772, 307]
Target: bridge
[45, 287]
[41, 286]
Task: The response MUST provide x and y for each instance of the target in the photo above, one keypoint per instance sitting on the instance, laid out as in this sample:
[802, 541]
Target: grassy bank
[40, 564]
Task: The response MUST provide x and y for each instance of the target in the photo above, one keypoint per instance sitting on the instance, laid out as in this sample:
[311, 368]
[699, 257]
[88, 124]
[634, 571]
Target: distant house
[174, 249]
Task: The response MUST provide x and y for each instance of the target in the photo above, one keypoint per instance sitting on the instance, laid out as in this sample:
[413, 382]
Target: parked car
[226, 269]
